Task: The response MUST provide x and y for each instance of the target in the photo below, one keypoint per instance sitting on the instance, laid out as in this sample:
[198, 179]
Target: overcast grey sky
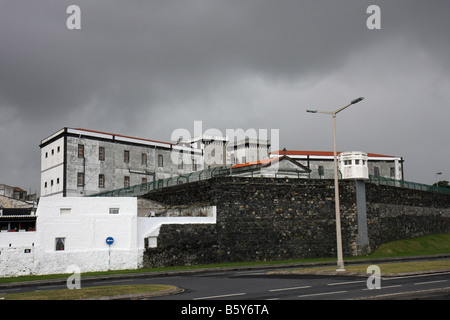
[146, 68]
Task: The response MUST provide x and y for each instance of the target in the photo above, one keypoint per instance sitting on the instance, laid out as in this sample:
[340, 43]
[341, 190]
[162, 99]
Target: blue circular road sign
[110, 240]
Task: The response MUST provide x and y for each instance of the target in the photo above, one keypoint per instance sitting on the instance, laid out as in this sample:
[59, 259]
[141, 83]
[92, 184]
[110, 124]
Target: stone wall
[262, 219]
[397, 213]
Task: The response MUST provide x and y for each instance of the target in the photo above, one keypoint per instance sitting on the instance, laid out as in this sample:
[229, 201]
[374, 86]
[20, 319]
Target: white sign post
[109, 242]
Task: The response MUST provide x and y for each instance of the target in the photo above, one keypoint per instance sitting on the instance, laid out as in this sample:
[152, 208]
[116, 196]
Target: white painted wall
[85, 230]
[52, 168]
[85, 223]
[148, 227]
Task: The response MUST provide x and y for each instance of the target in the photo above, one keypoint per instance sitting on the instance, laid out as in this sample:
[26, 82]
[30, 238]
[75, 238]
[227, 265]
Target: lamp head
[357, 100]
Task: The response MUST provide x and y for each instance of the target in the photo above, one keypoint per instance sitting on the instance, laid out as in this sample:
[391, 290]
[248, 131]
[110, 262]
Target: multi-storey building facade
[248, 150]
[80, 162]
[321, 163]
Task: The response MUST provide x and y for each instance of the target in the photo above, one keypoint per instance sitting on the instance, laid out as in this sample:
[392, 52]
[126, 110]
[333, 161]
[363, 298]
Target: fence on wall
[407, 184]
[141, 189]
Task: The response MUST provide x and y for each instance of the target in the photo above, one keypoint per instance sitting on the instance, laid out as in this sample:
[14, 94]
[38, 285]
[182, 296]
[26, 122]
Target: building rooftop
[262, 162]
[104, 135]
[322, 153]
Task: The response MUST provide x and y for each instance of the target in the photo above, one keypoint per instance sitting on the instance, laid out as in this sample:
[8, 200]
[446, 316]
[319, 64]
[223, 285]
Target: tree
[442, 184]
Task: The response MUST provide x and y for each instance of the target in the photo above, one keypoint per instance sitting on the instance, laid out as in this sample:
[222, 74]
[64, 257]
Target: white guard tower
[353, 165]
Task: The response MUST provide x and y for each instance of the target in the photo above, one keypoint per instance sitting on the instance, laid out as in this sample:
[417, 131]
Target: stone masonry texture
[263, 219]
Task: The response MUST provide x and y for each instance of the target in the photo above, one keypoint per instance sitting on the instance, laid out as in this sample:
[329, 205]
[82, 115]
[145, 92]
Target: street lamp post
[340, 260]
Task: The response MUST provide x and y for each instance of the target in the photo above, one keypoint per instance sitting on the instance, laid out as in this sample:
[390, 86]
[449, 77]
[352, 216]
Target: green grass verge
[385, 268]
[86, 293]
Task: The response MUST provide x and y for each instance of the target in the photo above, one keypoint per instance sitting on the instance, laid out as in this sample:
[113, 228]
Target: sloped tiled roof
[320, 153]
[262, 162]
[268, 162]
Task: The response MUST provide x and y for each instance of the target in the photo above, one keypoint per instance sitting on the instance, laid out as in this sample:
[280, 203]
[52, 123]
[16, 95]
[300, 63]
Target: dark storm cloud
[147, 67]
[124, 48]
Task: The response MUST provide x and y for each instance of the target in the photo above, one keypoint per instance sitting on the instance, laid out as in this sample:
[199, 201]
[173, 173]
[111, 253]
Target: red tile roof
[265, 161]
[320, 153]
[120, 135]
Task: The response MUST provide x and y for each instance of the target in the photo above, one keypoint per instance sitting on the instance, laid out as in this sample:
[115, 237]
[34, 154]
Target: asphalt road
[258, 285]
[240, 294]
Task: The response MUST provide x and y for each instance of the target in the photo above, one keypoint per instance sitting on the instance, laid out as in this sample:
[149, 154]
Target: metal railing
[407, 184]
[141, 189]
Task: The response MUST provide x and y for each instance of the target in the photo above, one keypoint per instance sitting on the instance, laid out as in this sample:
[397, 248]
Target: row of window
[126, 156]
[357, 162]
[376, 170]
[51, 183]
[101, 180]
[58, 150]
[194, 165]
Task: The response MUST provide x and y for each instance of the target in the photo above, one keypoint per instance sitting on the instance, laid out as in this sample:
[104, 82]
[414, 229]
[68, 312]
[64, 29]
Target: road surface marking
[385, 287]
[293, 288]
[321, 294]
[349, 282]
[221, 296]
[415, 276]
[436, 281]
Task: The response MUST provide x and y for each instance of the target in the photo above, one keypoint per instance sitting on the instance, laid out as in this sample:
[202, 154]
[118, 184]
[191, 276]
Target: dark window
[80, 179]
[126, 156]
[321, 171]
[60, 244]
[376, 171]
[392, 172]
[101, 180]
[80, 151]
[160, 160]
[101, 153]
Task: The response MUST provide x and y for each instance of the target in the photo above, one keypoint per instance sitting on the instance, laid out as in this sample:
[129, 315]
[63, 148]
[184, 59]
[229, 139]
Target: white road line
[436, 281]
[112, 281]
[221, 296]
[414, 276]
[209, 274]
[385, 287]
[157, 278]
[293, 288]
[349, 282]
[321, 294]
[250, 274]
